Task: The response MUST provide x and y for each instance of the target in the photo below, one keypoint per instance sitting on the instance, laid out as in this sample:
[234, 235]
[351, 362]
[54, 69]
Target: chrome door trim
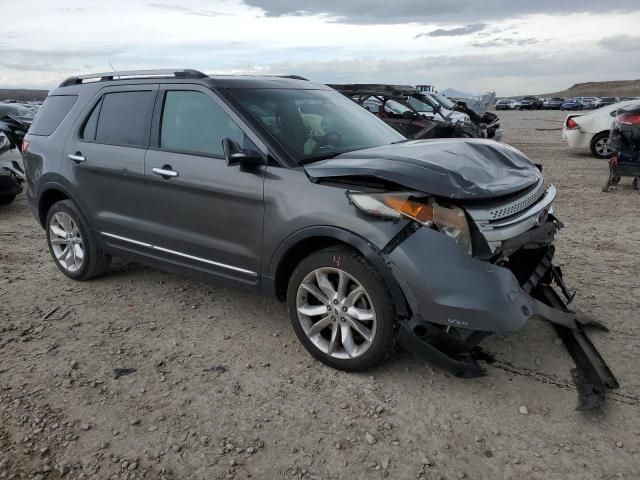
[164, 173]
[185, 255]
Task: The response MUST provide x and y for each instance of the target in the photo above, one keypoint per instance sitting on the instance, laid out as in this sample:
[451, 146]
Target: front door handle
[77, 157]
[165, 172]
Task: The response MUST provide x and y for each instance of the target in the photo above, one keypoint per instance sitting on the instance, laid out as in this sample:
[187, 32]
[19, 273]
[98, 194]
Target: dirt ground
[222, 389]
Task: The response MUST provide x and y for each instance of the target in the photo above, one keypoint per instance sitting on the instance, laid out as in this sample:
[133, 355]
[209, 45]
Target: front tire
[72, 245]
[600, 146]
[341, 310]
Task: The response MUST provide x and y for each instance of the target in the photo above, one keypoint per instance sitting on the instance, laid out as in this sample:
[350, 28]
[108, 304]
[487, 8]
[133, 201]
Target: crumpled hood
[458, 168]
[480, 104]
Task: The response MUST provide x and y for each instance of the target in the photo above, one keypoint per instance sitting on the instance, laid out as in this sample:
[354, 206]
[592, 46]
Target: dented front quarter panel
[446, 286]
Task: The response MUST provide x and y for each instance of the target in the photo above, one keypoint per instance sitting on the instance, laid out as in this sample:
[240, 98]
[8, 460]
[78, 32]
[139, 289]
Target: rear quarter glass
[53, 111]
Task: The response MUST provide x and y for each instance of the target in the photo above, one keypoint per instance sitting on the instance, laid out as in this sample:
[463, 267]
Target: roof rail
[293, 77]
[107, 76]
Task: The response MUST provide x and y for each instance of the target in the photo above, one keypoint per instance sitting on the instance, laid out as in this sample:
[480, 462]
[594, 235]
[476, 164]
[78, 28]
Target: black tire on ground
[636, 183]
[95, 261]
[5, 199]
[596, 145]
[354, 264]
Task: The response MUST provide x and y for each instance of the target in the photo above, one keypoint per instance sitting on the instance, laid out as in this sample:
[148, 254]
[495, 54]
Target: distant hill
[617, 88]
[22, 94]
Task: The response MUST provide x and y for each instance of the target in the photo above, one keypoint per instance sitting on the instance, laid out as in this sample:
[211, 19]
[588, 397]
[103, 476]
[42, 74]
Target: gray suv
[289, 187]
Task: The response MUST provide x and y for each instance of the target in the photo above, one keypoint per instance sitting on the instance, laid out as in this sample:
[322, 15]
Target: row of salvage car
[557, 103]
[422, 115]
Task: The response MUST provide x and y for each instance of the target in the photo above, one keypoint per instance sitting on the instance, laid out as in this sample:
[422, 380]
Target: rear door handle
[165, 172]
[77, 157]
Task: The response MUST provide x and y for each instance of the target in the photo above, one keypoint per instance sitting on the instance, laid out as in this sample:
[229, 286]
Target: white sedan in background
[591, 130]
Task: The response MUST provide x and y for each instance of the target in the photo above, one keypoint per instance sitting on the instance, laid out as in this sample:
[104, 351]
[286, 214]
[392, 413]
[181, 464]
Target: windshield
[314, 124]
[15, 110]
[442, 100]
[420, 106]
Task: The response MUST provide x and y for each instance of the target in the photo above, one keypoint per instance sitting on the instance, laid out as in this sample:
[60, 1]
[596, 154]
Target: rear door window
[90, 126]
[192, 122]
[125, 118]
[53, 111]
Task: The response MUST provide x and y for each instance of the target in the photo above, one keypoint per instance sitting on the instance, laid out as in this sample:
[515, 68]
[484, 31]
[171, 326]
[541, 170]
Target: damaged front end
[474, 258]
[510, 280]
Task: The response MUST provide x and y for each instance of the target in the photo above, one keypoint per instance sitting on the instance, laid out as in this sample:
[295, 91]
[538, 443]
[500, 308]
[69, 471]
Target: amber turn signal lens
[421, 212]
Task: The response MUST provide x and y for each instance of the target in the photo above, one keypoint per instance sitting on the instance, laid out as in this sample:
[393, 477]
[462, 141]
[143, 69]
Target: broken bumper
[446, 287]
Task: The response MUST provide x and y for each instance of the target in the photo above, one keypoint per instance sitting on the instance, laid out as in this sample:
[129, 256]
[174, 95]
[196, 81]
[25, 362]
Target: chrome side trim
[185, 255]
[210, 262]
[125, 239]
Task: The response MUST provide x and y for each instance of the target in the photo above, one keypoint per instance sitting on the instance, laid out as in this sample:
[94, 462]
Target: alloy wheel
[336, 313]
[66, 242]
[603, 147]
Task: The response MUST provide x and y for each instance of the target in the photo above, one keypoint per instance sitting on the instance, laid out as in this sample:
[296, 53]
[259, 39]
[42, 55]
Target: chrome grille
[518, 205]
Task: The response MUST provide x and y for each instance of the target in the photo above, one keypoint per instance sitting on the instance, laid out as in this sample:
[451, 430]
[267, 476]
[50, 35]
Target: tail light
[571, 123]
[25, 146]
[629, 119]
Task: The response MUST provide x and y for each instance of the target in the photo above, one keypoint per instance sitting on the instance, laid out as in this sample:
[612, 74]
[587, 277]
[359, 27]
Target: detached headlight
[449, 220]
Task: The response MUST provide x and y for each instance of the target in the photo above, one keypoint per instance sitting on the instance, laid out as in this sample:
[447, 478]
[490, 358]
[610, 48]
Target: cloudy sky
[507, 45]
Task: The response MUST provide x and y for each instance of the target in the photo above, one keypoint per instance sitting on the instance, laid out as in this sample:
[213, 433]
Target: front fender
[371, 252]
[444, 285]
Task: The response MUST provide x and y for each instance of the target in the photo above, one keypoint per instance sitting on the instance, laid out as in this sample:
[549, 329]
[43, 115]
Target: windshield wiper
[400, 141]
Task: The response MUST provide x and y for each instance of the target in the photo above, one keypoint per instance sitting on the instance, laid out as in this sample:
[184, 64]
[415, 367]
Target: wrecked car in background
[410, 112]
[624, 141]
[554, 103]
[12, 132]
[531, 103]
[476, 108]
[591, 130]
[367, 235]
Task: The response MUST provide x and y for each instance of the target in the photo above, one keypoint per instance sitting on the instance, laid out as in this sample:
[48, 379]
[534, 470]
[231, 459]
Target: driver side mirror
[234, 154]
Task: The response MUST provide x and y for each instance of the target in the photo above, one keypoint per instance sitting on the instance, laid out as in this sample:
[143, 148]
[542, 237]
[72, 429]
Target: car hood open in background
[456, 168]
[480, 104]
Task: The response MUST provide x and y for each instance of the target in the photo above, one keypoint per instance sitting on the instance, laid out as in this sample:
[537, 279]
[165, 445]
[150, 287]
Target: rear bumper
[577, 139]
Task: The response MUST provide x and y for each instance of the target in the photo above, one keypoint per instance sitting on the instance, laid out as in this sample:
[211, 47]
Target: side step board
[592, 376]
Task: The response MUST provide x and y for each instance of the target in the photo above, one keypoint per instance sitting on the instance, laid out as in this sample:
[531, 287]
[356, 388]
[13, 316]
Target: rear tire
[600, 146]
[341, 309]
[72, 245]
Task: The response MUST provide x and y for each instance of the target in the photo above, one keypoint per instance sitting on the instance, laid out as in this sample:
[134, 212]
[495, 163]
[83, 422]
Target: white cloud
[539, 52]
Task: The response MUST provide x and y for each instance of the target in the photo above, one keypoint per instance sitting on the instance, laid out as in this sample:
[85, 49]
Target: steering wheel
[333, 139]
